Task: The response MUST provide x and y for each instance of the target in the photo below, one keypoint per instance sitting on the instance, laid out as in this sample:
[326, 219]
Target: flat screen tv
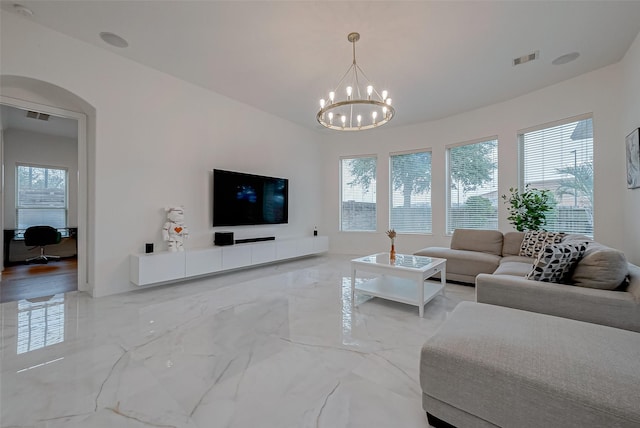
[246, 199]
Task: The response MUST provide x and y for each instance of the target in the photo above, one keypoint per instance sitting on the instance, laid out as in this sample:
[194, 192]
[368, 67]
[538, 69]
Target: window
[358, 194]
[473, 186]
[411, 192]
[559, 158]
[41, 196]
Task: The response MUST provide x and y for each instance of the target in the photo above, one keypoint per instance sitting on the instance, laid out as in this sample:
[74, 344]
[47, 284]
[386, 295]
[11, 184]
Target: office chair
[40, 236]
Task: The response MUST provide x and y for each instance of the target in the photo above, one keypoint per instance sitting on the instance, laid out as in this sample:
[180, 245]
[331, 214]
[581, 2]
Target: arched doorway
[30, 94]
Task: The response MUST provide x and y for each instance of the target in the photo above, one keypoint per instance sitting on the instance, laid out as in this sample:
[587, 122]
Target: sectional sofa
[530, 352]
[603, 288]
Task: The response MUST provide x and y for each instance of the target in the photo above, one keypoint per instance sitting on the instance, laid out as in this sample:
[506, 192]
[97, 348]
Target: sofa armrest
[613, 308]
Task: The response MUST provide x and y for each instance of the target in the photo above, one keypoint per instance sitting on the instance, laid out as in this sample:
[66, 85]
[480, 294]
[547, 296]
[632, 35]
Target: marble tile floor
[274, 346]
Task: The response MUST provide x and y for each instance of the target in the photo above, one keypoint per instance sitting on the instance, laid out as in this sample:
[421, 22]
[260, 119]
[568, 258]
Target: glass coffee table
[402, 280]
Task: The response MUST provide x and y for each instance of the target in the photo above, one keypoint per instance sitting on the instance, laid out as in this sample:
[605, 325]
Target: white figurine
[174, 231]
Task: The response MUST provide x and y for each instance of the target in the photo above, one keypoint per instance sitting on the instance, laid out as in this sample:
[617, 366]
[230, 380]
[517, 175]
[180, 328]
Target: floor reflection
[347, 311]
[348, 308]
[40, 323]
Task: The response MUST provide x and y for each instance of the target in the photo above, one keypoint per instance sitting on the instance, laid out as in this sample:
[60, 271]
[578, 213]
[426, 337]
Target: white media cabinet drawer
[202, 262]
[157, 267]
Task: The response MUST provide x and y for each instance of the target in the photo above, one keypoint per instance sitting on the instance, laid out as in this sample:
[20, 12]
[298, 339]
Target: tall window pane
[560, 159]
[41, 197]
[411, 192]
[358, 194]
[473, 186]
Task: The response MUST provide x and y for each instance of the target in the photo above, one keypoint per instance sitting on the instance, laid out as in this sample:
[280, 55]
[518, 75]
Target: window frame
[448, 192]
[390, 185]
[18, 207]
[341, 160]
[521, 154]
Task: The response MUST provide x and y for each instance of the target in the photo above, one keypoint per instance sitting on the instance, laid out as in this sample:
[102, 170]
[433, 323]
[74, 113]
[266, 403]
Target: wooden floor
[38, 280]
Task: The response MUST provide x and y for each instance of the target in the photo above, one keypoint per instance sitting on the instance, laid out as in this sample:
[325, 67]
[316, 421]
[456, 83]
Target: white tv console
[165, 266]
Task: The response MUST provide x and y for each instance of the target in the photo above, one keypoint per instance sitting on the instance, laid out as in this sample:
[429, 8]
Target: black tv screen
[247, 199]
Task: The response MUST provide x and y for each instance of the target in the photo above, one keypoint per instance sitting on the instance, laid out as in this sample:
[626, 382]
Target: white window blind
[358, 194]
[559, 158]
[411, 192]
[473, 186]
[41, 196]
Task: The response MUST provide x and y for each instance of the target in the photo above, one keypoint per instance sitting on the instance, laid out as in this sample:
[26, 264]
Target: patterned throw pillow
[556, 262]
[535, 240]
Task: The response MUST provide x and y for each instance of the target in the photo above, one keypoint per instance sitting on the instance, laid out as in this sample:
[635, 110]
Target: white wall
[630, 121]
[23, 147]
[598, 92]
[157, 139]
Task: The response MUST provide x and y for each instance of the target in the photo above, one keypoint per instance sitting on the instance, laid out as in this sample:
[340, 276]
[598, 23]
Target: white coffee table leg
[421, 296]
[443, 279]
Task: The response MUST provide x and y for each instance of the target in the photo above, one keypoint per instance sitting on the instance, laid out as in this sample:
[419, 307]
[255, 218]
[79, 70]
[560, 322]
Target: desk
[15, 252]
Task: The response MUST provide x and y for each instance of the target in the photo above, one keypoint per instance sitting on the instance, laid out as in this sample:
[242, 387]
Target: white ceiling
[435, 58]
[15, 118]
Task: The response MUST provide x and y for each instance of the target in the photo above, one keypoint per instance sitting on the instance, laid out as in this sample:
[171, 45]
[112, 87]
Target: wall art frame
[633, 159]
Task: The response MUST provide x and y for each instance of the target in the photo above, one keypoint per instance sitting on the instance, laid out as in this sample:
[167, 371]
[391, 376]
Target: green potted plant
[528, 210]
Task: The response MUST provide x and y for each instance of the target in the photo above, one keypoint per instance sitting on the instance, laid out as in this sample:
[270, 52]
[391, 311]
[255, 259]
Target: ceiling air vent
[526, 58]
[36, 115]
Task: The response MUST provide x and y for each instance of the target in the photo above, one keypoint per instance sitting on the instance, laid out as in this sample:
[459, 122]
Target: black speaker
[223, 238]
[148, 248]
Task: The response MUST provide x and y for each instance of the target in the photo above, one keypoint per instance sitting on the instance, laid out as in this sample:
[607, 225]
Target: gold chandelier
[363, 108]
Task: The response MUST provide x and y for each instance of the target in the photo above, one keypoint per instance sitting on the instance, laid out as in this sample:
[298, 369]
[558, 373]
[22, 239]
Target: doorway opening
[43, 183]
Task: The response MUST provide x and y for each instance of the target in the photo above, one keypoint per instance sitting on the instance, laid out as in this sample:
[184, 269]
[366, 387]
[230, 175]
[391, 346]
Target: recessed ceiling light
[113, 39]
[22, 10]
[563, 59]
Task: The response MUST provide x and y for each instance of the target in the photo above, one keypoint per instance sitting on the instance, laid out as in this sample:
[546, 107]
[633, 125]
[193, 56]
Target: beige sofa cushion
[485, 241]
[515, 268]
[513, 368]
[515, 265]
[519, 259]
[462, 262]
[511, 243]
[601, 267]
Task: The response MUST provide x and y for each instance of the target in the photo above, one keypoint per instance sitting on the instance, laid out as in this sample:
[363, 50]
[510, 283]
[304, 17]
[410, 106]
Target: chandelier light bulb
[330, 115]
[322, 103]
[374, 115]
[388, 101]
[384, 94]
[349, 91]
[332, 95]
[384, 111]
[369, 91]
[343, 118]
[359, 120]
